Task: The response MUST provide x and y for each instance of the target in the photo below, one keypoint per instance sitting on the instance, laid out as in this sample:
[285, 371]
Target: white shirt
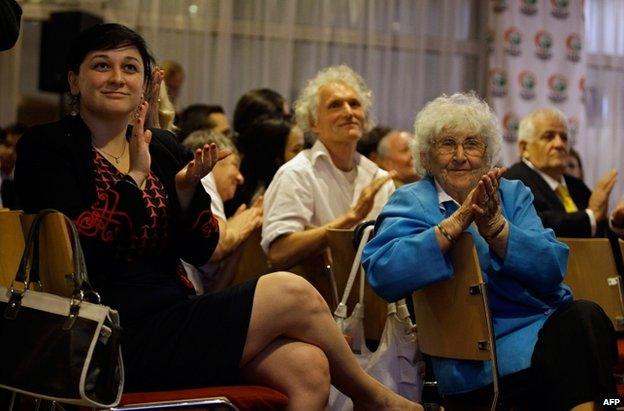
[310, 191]
[204, 276]
[553, 184]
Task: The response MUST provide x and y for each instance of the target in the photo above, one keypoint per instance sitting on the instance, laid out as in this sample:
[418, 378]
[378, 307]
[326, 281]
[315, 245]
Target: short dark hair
[369, 141]
[256, 103]
[195, 117]
[108, 36]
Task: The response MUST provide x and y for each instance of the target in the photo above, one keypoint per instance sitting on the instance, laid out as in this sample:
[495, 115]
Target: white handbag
[397, 362]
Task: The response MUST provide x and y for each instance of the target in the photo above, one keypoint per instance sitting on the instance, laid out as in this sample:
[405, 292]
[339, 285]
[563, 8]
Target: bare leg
[286, 305]
[586, 406]
[295, 368]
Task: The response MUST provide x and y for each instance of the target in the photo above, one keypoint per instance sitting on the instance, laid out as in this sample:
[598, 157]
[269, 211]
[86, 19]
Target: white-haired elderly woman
[329, 185]
[547, 353]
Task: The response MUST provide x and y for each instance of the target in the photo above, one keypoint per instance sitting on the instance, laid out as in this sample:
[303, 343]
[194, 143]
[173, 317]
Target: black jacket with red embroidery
[55, 169]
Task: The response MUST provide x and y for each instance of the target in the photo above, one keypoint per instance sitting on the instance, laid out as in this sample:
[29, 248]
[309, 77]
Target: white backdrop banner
[536, 59]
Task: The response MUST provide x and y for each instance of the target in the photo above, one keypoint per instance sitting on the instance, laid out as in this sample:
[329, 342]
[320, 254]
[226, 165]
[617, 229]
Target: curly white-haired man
[329, 185]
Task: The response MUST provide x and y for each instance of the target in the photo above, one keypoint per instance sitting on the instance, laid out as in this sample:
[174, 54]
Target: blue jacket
[524, 288]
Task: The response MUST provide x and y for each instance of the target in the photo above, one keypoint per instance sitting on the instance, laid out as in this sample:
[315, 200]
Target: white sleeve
[288, 205]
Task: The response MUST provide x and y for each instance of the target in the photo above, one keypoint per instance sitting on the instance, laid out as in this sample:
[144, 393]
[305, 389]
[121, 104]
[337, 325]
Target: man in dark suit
[564, 203]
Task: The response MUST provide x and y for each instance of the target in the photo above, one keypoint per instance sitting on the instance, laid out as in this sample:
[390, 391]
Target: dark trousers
[572, 364]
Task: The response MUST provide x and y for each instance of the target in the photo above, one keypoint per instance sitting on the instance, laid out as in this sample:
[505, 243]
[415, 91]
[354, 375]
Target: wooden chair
[453, 316]
[592, 275]
[55, 255]
[11, 245]
[342, 254]
[252, 262]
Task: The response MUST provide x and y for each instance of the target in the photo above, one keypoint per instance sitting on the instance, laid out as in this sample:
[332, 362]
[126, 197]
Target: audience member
[269, 143]
[394, 152]
[174, 79]
[367, 145]
[564, 203]
[221, 184]
[574, 166]
[10, 21]
[256, 103]
[553, 353]
[201, 117]
[329, 185]
[139, 207]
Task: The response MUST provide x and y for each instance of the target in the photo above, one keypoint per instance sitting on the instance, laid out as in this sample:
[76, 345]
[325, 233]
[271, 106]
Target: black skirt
[196, 343]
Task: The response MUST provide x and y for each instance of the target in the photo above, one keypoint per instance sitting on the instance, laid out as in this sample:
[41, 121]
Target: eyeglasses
[473, 146]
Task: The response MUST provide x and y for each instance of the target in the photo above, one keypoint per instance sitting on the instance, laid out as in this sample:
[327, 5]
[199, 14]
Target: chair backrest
[252, 262]
[314, 269]
[55, 255]
[342, 255]
[592, 275]
[452, 316]
[11, 245]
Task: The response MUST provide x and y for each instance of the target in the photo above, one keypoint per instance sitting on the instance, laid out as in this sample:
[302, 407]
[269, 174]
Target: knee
[310, 368]
[295, 292]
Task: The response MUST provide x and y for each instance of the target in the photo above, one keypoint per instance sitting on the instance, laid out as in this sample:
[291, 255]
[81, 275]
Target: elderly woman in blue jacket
[551, 350]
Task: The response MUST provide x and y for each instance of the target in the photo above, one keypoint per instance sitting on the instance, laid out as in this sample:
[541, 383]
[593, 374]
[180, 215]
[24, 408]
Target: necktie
[564, 195]
[449, 208]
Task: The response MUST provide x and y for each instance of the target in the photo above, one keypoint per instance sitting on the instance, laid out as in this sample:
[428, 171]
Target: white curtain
[603, 147]
[408, 51]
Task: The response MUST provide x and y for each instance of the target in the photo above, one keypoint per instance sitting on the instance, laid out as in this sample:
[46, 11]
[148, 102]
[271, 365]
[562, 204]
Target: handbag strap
[356, 267]
[29, 264]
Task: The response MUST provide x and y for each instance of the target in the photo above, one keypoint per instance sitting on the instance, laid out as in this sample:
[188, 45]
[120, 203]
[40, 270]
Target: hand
[138, 146]
[366, 200]
[617, 216]
[245, 220]
[487, 208]
[153, 96]
[205, 159]
[599, 200]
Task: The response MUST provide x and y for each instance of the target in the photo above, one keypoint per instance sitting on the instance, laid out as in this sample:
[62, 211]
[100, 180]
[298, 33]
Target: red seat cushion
[619, 366]
[245, 397]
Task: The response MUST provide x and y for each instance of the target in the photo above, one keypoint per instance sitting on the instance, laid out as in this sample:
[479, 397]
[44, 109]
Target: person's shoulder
[298, 165]
[165, 138]
[516, 171]
[45, 135]
[420, 192]
[575, 182]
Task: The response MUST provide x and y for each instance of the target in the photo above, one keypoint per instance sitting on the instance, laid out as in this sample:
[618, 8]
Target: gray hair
[198, 138]
[383, 148]
[464, 112]
[306, 105]
[526, 128]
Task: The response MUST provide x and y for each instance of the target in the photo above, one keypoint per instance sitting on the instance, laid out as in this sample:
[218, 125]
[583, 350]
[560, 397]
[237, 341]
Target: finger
[487, 181]
[478, 210]
[240, 209]
[377, 183]
[259, 202]
[223, 154]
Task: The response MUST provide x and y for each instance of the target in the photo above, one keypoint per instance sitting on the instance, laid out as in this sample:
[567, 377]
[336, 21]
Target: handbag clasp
[74, 309]
[14, 303]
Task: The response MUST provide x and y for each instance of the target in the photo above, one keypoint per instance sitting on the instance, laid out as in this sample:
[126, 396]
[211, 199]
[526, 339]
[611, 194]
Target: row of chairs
[56, 266]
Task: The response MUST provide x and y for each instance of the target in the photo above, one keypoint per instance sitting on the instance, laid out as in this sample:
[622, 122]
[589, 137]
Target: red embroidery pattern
[148, 239]
[207, 226]
[103, 219]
